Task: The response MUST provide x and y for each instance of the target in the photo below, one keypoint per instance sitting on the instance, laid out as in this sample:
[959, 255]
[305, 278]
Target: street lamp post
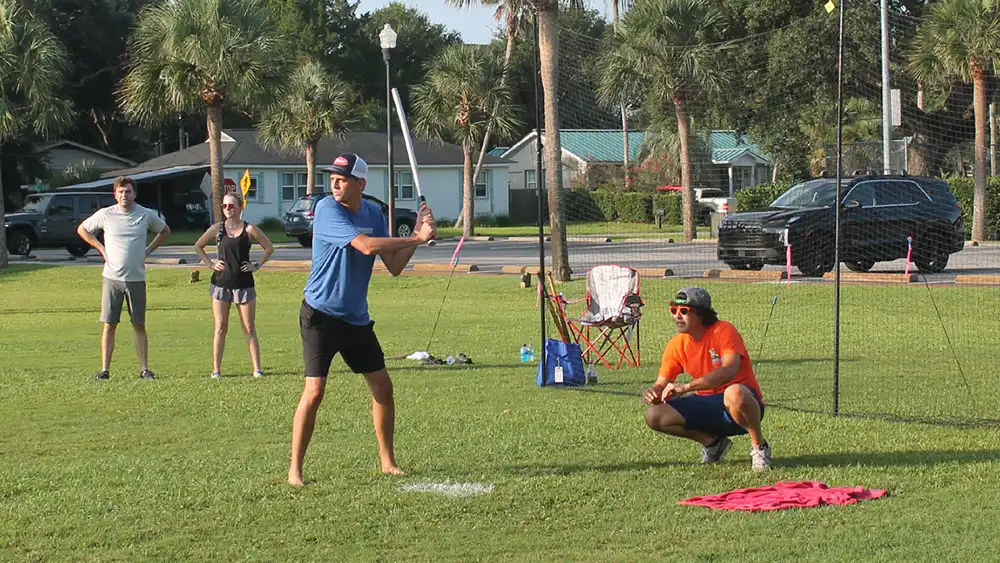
[387, 39]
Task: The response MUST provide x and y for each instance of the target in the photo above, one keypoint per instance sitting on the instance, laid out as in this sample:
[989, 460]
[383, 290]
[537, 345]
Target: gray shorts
[114, 293]
[245, 295]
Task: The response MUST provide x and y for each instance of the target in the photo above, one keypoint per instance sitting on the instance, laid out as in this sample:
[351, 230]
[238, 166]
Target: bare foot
[392, 469]
[295, 480]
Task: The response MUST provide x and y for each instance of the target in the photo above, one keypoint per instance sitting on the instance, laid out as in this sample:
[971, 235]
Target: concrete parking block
[870, 277]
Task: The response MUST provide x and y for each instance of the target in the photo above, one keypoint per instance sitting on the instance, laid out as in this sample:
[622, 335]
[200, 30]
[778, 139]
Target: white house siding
[441, 186]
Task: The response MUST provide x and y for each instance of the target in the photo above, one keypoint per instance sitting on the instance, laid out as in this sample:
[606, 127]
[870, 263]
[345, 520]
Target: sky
[476, 24]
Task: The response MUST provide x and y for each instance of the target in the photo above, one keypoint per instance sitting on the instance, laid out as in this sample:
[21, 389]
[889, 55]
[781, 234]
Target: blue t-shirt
[338, 281]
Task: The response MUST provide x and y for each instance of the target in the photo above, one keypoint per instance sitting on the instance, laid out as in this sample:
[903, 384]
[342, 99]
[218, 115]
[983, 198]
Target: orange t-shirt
[699, 358]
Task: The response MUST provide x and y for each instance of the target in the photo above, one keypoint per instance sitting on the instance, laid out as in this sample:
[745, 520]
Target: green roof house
[591, 156]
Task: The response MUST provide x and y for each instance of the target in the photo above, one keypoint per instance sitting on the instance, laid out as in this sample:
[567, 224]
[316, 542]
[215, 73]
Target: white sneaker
[216, 375]
[760, 458]
[258, 373]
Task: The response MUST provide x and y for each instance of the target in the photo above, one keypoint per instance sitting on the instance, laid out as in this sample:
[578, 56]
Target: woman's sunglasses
[674, 309]
[229, 206]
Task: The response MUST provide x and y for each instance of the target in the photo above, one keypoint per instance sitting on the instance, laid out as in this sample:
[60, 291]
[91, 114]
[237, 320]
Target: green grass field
[189, 468]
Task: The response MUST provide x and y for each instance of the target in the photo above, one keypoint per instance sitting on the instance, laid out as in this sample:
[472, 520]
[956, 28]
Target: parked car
[50, 219]
[706, 201]
[878, 214]
[299, 217]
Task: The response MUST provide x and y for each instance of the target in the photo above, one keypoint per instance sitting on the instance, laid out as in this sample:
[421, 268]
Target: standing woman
[232, 279]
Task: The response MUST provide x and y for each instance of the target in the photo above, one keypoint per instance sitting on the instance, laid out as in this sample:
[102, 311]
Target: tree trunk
[311, 167]
[628, 177]
[468, 193]
[548, 46]
[979, 170]
[508, 52]
[214, 123]
[925, 155]
[687, 193]
[3, 219]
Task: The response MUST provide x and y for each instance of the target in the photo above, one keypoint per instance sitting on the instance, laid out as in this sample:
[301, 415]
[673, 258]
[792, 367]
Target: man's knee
[380, 384]
[735, 396]
[140, 328]
[662, 416]
[312, 395]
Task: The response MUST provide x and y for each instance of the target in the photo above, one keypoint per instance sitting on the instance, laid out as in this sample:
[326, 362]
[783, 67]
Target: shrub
[759, 196]
[271, 224]
[964, 189]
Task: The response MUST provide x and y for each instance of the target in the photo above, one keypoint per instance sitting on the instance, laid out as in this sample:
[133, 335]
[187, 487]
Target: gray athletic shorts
[114, 293]
[233, 295]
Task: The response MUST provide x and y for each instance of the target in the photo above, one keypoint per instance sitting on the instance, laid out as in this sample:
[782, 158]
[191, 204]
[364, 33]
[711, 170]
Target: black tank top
[234, 251]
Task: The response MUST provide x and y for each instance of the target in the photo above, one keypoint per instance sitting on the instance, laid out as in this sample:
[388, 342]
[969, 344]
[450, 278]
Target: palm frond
[315, 105]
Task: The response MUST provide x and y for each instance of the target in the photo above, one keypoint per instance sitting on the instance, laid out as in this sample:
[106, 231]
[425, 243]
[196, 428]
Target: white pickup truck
[714, 199]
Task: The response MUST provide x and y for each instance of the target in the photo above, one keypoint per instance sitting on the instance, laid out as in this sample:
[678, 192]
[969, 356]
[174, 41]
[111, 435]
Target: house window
[529, 180]
[403, 185]
[254, 183]
[296, 184]
[233, 187]
[482, 190]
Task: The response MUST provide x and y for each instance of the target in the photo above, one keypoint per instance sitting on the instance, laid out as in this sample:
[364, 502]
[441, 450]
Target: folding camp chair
[614, 308]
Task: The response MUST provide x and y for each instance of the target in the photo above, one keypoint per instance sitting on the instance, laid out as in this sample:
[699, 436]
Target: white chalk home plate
[457, 490]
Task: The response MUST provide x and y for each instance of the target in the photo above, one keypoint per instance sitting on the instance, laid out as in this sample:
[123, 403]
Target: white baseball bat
[408, 141]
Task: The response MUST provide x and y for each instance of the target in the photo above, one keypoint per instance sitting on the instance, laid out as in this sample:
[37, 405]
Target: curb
[514, 269]
[768, 275]
[667, 240]
[587, 239]
[289, 263]
[655, 272]
[167, 261]
[465, 268]
[528, 239]
[978, 279]
[868, 277]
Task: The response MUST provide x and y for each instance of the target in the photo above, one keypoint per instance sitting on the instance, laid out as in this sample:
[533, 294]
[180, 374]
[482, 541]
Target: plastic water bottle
[527, 354]
[451, 360]
[591, 373]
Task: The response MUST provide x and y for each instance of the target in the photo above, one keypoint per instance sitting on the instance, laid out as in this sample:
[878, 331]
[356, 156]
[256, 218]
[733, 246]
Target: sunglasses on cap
[682, 309]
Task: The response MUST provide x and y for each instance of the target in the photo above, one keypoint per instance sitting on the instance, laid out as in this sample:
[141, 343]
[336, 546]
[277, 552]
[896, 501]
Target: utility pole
[886, 93]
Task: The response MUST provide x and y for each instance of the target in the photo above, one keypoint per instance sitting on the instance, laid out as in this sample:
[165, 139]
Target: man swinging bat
[348, 232]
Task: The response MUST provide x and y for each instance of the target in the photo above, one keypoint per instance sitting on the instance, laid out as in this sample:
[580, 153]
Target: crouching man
[723, 398]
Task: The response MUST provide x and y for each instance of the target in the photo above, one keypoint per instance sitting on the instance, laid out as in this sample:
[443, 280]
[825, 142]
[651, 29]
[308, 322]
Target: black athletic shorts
[323, 336]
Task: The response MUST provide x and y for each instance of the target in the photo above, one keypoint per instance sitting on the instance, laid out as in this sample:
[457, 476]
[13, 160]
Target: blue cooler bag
[563, 364]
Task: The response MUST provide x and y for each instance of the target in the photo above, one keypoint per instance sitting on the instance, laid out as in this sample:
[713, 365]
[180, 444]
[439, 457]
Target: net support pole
[838, 205]
[886, 92]
[535, 59]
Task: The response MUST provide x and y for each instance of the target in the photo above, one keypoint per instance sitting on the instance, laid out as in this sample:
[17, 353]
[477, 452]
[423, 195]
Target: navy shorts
[708, 414]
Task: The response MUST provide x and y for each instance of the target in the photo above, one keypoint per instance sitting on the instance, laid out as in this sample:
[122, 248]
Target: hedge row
[626, 207]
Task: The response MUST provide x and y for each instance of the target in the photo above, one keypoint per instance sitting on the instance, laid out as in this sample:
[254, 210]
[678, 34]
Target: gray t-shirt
[125, 239]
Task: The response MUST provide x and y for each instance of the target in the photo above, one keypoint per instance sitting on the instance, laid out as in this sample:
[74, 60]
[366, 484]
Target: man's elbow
[165, 232]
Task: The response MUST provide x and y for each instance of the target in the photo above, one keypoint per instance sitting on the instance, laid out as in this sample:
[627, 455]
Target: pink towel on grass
[787, 494]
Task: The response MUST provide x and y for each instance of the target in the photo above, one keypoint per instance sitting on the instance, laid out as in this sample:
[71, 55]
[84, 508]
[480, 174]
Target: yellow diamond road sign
[245, 183]
[830, 6]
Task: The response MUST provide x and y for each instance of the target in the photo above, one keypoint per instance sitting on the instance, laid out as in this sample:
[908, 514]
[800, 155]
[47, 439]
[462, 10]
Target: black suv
[878, 216]
[299, 217]
[49, 220]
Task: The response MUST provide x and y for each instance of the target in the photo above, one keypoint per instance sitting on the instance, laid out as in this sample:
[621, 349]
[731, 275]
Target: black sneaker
[146, 374]
[102, 375]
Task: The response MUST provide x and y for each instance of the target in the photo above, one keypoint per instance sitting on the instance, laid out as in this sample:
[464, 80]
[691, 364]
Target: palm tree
[666, 46]
[32, 68]
[465, 94]
[315, 105]
[961, 39]
[188, 56]
[546, 16]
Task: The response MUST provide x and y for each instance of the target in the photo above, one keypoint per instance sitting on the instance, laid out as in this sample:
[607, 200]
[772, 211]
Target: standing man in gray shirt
[124, 279]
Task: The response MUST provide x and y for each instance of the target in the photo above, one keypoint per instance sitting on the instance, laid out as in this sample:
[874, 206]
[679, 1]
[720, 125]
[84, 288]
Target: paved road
[690, 259]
